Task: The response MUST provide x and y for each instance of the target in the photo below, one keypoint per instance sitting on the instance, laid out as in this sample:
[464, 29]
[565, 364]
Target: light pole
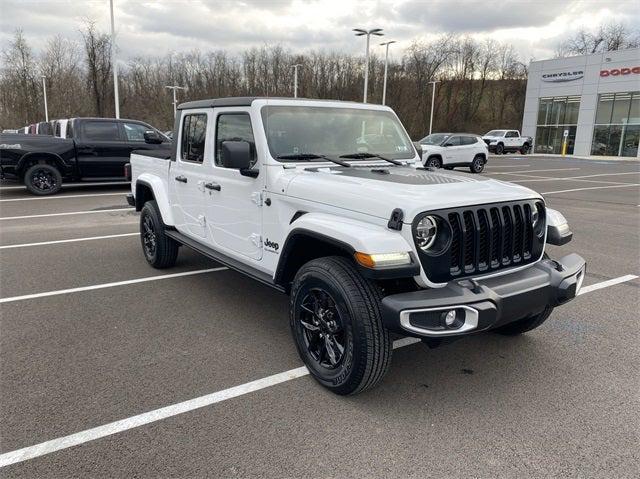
[44, 91]
[386, 61]
[361, 32]
[295, 79]
[114, 64]
[173, 88]
[433, 99]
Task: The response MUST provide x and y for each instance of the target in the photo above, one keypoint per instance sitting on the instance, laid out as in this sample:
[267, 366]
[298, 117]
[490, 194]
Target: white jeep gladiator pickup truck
[505, 141]
[328, 202]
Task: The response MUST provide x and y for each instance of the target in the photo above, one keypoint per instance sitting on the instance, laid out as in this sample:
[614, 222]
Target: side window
[235, 127]
[454, 141]
[194, 132]
[135, 131]
[468, 140]
[101, 131]
[511, 134]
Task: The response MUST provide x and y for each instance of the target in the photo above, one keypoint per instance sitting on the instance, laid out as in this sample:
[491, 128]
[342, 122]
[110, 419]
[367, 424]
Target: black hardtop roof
[241, 101]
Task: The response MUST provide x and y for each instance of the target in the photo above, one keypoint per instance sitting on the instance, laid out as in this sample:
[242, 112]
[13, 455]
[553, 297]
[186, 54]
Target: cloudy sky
[157, 27]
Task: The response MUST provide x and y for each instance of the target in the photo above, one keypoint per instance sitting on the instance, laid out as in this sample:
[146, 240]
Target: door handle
[181, 179]
[213, 186]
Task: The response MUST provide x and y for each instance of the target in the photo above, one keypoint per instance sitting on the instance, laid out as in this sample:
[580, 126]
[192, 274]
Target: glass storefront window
[555, 115]
[617, 128]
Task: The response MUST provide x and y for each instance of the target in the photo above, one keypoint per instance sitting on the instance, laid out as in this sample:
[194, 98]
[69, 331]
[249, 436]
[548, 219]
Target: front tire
[477, 165]
[337, 327]
[43, 179]
[159, 250]
[433, 162]
[499, 149]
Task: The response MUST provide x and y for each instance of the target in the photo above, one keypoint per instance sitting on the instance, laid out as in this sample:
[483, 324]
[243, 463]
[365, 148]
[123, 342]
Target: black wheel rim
[148, 237]
[43, 179]
[322, 329]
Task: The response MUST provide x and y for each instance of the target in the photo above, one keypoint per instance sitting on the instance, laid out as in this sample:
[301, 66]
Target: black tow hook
[471, 284]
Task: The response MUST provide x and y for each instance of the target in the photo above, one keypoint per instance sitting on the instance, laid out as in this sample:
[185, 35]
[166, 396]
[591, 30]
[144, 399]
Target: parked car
[505, 141]
[44, 128]
[9, 130]
[59, 128]
[364, 240]
[92, 148]
[451, 150]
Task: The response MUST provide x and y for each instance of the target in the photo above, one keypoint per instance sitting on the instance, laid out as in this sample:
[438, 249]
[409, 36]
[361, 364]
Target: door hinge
[256, 239]
[256, 197]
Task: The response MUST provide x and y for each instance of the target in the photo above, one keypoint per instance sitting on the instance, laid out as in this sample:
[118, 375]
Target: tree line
[481, 84]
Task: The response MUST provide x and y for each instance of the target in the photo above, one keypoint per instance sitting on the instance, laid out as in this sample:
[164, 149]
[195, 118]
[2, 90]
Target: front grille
[485, 239]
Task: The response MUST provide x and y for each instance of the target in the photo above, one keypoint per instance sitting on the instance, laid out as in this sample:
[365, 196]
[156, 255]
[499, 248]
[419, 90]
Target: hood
[486, 137]
[378, 190]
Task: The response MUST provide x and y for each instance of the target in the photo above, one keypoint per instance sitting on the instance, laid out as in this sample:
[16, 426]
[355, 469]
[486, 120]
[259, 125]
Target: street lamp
[44, 91]
[359, 33]
[295, 79]
[114, 63]
[386, 61]
[173, 88]
[433, 99]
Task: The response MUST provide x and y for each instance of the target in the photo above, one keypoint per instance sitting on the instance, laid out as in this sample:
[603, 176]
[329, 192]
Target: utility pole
[295, 79]
[386, 61]
[433, 100]
[114, 63]
[359, 33]
[173, 88]
[44, 91]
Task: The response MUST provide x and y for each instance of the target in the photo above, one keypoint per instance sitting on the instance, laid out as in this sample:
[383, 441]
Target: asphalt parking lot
[108, 369]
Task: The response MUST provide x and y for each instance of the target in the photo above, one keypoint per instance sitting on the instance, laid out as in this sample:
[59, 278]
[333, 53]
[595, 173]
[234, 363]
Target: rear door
[101, 148]
[512, 139]
[187, 176]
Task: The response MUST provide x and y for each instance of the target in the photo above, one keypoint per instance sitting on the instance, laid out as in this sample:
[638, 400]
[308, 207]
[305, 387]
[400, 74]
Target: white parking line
[61, 197]
[58, 292]
[590, 188]
[533, 171]
[64, 214]
[65, 442]
[73, 240]
[506, 166]
[577, 178]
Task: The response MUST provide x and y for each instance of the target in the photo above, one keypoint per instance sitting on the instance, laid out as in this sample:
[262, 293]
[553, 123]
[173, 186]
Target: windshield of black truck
[300, 130]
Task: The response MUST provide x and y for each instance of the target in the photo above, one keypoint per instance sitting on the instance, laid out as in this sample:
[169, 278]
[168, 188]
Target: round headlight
[426, 232]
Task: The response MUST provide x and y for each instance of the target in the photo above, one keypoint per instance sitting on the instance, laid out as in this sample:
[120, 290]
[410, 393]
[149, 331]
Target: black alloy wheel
[323, 330]
[43, 179]
[149, 242]
[500, 149]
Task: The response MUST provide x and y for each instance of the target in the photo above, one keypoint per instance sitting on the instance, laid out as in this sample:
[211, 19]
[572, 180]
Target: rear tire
[43, 179]
[525, 149]
[433, 162]
[524, 325]
[337, 327]
[477, 165]
[159, 250]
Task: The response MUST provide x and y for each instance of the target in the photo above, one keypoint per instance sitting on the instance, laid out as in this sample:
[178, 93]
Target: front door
[102, 149]
[453, 150]
[234, 209]
[189, 173]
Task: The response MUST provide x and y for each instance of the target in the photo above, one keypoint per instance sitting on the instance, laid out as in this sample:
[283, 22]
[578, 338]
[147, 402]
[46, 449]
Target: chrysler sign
[562, 76]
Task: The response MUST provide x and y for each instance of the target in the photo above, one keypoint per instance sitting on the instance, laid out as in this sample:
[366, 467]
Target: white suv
[449, 150]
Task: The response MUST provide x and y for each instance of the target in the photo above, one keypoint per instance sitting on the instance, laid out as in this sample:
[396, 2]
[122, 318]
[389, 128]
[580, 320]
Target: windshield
[496, 133]
[310, 130]
[434, 139]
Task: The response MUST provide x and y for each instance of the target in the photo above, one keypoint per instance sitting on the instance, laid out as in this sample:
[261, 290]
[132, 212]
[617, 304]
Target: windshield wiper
[362, 156]
[311, 156]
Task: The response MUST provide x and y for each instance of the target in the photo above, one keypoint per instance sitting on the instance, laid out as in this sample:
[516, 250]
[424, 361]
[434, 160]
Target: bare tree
[97, 48]
[607, 37]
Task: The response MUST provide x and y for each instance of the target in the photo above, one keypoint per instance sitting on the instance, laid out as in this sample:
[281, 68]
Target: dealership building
[591, 102]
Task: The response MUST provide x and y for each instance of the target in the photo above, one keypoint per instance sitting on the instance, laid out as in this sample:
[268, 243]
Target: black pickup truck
[95, 148]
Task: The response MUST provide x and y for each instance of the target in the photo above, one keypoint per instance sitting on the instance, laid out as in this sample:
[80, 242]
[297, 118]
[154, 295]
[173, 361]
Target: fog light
[450, 318]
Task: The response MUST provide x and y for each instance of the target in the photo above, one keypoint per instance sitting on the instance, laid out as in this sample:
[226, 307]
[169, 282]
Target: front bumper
[485, 304]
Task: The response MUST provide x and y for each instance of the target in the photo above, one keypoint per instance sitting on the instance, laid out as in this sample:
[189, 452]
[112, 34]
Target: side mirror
[151, 137]
[236, 154]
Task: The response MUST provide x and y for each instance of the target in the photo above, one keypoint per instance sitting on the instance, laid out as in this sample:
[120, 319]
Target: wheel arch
[31, 159]
[149, 187]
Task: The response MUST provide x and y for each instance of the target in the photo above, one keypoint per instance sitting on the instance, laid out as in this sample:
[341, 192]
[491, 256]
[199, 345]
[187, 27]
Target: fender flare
[45, 155]
[348, 236]
[157, 187]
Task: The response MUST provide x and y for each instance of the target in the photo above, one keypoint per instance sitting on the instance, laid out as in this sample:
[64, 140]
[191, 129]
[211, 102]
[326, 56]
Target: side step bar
[224, 259]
